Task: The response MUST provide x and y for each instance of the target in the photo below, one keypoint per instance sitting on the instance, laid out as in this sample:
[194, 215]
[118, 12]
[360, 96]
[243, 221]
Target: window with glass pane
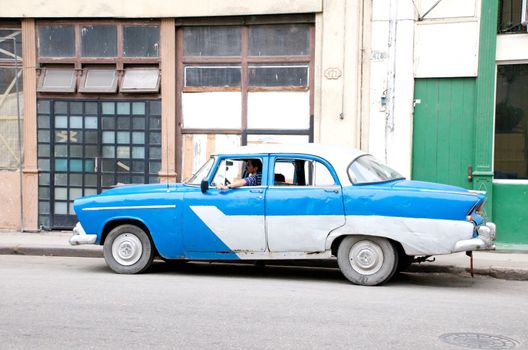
[278, 75]
[140, 80]
[10, 42]
[99, 80]
[56, 40]
[510, 17]
[279, 40]
[511, 122]
[212, 41]
[99, 41]
[212, 76]
[141, 41]
[57, 80]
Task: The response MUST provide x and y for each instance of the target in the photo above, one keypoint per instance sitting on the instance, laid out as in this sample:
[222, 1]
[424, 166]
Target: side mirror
[204, 185]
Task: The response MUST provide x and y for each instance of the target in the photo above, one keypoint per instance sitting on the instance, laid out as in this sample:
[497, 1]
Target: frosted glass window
[61, 122]
[60, 165]
[279, 39]
[108, 137]
[99, 80]
[138, 152]
[212, 110]
[76, 122]
[99, 41]
[56, 40]
[108, 151]
[76, 165]
[138, 137]
[141, 41]
[61, 208]
[123, 137]
[108, 108]
[278, 75]
[212, 41]
[212, 76]
[138, 108]
[75, 193]
[123, 152]
[123, 108]
[141, 80]
[57, 80]
[61, 193]
[279, 110]
[61, 151]
[90, 122]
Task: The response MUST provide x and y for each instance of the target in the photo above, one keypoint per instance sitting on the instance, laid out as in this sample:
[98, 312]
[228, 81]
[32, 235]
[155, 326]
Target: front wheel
[367, 261]
[128, 250]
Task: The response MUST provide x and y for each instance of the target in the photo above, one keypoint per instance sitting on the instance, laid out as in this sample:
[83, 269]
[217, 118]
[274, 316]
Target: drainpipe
[391, 74]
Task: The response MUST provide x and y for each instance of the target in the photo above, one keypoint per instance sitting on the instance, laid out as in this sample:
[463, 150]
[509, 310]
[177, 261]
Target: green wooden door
[443, 130]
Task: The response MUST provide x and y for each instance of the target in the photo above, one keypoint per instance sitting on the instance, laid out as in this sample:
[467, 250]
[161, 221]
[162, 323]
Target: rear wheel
[366, 260]
[128, 250]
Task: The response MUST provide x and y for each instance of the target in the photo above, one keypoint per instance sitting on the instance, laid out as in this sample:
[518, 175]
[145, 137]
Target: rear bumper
[484, 241]
[79, 236]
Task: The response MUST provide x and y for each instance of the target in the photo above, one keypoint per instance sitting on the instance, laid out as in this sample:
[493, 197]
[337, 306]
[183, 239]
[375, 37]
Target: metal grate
[479, 341]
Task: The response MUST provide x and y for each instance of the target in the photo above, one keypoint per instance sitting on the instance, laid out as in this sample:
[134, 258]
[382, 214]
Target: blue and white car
[314, 202]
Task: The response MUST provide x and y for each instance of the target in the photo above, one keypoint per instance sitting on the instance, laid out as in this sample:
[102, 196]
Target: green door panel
[509, 212]
[443, 130]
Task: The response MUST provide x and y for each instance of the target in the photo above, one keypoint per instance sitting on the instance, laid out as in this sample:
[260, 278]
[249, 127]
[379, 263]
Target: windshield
[201, 174]
[367, 169]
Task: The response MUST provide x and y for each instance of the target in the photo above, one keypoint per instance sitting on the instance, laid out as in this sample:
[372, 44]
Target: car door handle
[335, 190]
[256, 191]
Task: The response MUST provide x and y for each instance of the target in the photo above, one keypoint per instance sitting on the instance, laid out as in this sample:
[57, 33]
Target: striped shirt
[253, 179]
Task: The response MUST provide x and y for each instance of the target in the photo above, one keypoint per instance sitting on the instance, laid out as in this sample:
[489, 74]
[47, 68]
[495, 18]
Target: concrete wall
[391, 83]
[154, 8]
[338, 72]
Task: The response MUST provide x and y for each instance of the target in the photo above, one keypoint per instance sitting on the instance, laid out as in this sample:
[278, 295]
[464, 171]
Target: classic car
[314, 202]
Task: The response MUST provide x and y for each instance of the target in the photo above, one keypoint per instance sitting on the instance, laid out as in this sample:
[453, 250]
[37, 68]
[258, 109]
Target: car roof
[339, 156]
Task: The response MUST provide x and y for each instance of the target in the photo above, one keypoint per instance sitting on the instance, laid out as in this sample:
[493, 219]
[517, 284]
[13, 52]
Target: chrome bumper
[80, 237]
[484, 241]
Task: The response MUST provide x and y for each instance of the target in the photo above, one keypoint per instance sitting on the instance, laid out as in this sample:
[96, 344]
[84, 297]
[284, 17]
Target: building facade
[97, 94]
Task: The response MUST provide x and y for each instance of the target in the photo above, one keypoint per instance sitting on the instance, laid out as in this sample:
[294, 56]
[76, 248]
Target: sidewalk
[507, 262]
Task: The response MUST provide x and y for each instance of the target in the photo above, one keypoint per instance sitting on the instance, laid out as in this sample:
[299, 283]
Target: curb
[87, 252]
[503, 273]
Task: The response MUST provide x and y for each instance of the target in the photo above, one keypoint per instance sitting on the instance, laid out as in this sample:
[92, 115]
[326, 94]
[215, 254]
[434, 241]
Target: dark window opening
[511, 122]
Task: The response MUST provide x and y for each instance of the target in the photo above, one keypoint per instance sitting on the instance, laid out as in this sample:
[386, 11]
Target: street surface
[63, 303]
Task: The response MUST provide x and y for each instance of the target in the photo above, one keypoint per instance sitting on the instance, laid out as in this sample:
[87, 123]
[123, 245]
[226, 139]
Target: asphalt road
[59, 303]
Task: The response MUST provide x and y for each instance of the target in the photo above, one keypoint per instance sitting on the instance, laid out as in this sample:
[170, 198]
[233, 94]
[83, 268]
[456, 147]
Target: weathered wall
[154, 8]
[391, 83]
[338, 72]
[447, 39]
[10, 196]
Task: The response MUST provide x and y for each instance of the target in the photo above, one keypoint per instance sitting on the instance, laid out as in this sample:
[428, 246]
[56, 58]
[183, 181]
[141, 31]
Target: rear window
[367, 169]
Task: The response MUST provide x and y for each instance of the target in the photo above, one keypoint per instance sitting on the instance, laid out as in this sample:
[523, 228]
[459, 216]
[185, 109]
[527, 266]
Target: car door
[226, 221]
[303, 203]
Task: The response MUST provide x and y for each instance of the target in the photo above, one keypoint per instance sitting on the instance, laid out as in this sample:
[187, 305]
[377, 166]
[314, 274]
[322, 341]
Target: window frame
[276, 157]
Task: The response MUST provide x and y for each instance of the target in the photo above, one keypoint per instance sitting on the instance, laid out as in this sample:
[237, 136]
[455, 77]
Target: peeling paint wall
[154, 8]
[10, 194]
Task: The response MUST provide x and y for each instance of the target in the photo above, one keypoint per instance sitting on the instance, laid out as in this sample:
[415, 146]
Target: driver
[254, 168]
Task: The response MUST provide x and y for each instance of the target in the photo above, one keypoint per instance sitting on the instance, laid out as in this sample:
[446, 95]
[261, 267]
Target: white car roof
[339, 156]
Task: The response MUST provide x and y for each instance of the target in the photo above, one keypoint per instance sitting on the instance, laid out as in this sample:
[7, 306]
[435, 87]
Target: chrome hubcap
[127, 249]
[366, 257]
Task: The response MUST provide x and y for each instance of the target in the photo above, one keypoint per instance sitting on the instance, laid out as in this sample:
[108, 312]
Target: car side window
[301, 172]
[230, 170]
